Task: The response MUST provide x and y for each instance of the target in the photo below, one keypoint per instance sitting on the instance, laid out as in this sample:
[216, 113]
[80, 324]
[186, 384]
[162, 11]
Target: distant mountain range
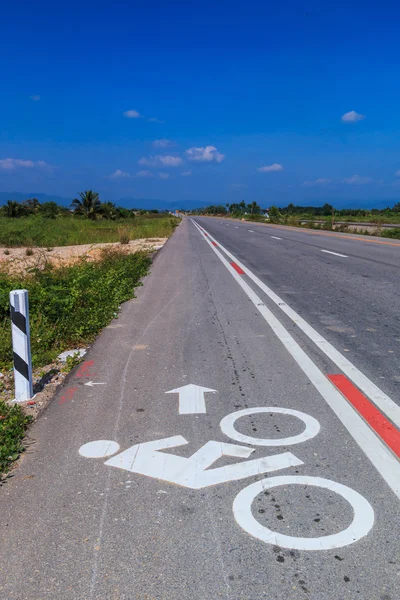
[148, 203]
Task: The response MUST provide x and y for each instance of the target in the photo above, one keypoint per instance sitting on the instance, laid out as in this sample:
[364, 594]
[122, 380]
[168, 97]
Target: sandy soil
[16, 260]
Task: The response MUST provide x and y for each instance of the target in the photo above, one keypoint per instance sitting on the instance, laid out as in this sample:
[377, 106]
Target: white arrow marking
[92, 383]
[146, 459]
[191, 398]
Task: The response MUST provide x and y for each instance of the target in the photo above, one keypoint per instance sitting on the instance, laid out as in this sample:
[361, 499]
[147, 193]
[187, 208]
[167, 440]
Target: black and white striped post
[21, 345]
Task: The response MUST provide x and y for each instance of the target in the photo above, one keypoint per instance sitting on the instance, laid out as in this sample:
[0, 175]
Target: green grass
[74, 230]
[13, 424]
[374, 219]
[68, 306]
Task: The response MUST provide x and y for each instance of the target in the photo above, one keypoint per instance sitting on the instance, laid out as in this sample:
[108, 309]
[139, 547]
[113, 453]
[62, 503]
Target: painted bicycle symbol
[194, 472]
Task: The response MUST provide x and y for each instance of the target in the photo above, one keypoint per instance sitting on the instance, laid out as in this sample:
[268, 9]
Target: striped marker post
[21, 345]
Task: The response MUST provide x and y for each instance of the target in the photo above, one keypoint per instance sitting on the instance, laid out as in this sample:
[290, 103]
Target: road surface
[269, 471]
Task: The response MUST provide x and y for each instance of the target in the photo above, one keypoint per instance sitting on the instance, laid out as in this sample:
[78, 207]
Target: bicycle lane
[151, 525]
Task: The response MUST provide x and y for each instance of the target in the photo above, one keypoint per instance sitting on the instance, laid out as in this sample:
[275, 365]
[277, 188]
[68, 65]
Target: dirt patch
[18, 261]
[45, 383]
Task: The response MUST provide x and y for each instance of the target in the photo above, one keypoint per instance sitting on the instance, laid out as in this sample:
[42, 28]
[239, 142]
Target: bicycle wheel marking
[228, 427]
[361, 525]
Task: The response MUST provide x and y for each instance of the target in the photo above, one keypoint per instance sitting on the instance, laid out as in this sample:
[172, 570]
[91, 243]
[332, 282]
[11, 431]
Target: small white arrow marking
[191, 398]
[92, 383]
[191, 472]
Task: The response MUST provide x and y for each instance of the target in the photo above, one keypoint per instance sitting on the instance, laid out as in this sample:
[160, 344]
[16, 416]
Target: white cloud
[355, 179]
[170, 161]
[154, 120]
[205, 154]
[239, 186]
[319, 181]
[163, 143]
[118, 174]
[270, 168]
[164, 175]
[397, 173]
[156, 161]
[144, 174]
[186, 173]
[11, 164]
[131, 114]
[352, 117]
[35, 98]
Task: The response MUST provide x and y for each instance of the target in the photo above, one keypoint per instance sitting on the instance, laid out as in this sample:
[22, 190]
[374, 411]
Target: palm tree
[87, 204]
[12, 209]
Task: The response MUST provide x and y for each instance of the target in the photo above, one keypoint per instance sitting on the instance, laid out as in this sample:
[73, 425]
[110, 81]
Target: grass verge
[68, 306]
[75, 230]
[13, 425]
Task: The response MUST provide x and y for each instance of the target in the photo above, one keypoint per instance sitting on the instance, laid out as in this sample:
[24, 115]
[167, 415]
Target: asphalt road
[303, 499]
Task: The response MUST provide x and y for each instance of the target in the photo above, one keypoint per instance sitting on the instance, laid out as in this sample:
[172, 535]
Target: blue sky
[188, 102]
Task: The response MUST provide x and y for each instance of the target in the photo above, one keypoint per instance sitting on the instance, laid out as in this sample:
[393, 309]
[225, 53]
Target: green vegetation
[314, 217]
[71, 230]
[90, 221]
[234, 210]
[68, 306]
[13, 424]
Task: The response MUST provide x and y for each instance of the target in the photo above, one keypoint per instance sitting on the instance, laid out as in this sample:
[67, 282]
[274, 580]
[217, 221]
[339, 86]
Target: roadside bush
[392, 233]
[70, 305]
[13, 424]
[124, 237]
[327, 225]
[274, 215]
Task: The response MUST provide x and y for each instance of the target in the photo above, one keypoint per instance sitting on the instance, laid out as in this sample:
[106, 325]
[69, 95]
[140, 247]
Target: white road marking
[275, 237]
[228, 427]
[236, 227]
[193, 472]
[191, 398]
[335, 253]
[384, 402]
[92, 383]
[361, 525]
[379, 455]
[250, 230]
[99, 449]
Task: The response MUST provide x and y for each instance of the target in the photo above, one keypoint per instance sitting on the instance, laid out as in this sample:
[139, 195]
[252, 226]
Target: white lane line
[334, 253]
[275, 238]
[382, 400]
[378, 453]
[251, 231]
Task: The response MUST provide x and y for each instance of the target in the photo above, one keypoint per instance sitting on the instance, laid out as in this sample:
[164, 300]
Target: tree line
[87, 205]
[241, 208]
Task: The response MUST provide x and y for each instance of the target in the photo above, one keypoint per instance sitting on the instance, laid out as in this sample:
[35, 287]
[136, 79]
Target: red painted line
[214, 243]
[206, 234]
[384, 428]
[68, 395]
[237, 268]
[84, 369]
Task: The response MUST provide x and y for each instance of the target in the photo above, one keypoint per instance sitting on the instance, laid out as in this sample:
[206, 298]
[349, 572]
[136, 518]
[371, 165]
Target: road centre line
[250, 230]
[373, 447]
[275, 237]
[334, 253]
[384, 402]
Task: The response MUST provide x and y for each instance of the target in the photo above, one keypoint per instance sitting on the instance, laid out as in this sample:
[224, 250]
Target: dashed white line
[250, 230]
[275, 238]
[236, 227]
[334, 253]
[382, 400]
